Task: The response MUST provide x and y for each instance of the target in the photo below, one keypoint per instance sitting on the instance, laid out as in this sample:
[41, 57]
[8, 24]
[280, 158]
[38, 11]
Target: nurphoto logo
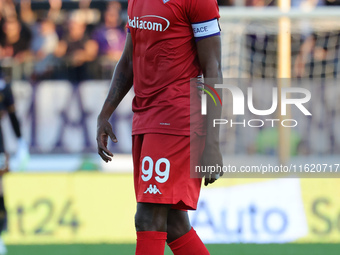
[204, 96]
[238, 105]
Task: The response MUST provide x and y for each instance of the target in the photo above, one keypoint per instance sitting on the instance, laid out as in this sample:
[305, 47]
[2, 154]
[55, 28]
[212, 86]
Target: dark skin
[160, 217]
[209, 54]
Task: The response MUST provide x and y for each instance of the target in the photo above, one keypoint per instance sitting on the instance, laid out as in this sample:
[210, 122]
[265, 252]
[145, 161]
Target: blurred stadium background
[64, 200]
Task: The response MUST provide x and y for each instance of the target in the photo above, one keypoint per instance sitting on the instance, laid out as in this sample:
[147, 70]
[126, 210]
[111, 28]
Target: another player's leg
[3, 213]
[151, 227]
[182, 238]
[3, 157]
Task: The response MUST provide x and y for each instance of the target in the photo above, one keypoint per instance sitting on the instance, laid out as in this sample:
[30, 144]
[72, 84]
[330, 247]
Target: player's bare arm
[209, 53]
[121, 83]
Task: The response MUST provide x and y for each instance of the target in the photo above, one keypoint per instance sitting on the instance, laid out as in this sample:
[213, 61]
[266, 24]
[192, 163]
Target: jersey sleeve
[203, 16]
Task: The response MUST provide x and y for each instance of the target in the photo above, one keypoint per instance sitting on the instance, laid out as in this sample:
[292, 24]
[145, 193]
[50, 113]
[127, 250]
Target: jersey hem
[173, 131]
[167, 132]
[179, 204]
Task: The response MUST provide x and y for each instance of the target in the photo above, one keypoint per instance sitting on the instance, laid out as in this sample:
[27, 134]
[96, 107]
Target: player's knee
[144, 222]
[178, 225]
[175, 231]
[150, 219]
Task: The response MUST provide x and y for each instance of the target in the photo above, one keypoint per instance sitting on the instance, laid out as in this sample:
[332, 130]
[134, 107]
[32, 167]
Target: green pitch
[215, 249]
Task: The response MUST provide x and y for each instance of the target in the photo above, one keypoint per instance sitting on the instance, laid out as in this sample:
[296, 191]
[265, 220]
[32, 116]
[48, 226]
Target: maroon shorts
[162, 169]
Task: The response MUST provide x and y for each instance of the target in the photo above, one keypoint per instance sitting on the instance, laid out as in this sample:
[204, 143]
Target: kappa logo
[152, 189]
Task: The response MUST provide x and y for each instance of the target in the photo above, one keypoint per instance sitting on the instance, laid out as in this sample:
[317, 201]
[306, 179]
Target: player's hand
[212, 157]
[104, 130]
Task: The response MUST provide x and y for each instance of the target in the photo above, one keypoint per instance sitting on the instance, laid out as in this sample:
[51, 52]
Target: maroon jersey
[163, 33]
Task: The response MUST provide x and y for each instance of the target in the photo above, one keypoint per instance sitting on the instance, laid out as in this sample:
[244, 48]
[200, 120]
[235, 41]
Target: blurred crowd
[77, 43]
[294, 3]
[55, 43]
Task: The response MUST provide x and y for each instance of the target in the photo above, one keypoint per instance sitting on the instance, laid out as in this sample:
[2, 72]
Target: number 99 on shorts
[160, 169]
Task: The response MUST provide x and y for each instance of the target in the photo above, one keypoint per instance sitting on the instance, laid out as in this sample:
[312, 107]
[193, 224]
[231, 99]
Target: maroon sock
[189, 244]
[150, 243]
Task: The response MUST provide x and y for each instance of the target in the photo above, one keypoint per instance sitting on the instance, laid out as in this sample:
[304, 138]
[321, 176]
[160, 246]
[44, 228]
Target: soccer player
[168, 42]
[7, 106]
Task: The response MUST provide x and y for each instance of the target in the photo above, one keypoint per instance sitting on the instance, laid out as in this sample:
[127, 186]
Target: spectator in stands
[77, 50]
[319, 53]
[305, 4]
[110, 37]
[26, 13]
[256, 3]
[257, 43]
[45, 42]
[7, 9]
[55, 13]
[89, 15]
[15, 46]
